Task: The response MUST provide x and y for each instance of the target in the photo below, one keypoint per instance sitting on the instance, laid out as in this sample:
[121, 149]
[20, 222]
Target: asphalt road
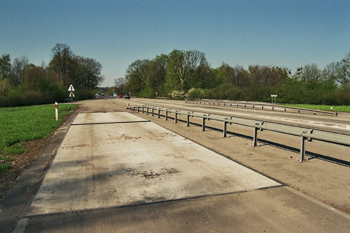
[116, 172]
[340, 123]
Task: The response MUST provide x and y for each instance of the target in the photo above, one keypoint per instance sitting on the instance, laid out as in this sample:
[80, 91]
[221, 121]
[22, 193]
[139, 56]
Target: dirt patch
[19, 163]
[152, 174]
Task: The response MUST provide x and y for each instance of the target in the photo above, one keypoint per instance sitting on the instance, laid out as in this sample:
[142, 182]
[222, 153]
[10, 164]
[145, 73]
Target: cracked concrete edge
[18, 198]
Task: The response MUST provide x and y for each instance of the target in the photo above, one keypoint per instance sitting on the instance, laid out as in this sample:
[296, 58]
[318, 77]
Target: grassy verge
[21, 124]
[3, 164]
[323, 107]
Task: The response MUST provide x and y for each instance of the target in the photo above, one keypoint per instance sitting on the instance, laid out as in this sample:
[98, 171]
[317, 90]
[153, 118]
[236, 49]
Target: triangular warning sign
[71, 88]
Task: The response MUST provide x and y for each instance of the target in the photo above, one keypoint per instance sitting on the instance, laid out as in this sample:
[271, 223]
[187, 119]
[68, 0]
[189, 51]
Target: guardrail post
[158, 112]
[188, 120]
[203, 124]
[175, 120]
[166, 115]
[224, 131]
[147, 110]
[255, 137]
[302, 144]
[143, 109]
[138, 108]
[152, 111]
[302, 149]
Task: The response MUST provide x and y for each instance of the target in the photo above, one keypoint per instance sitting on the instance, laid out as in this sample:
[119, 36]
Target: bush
[195, 93]
[178, 94]
[18, 97]
[83, 94]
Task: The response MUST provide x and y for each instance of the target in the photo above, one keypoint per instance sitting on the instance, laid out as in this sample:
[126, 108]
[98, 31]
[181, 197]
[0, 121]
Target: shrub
[195, 93]
[177, 94]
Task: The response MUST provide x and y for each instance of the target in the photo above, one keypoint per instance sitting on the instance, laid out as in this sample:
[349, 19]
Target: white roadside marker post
[56, 111]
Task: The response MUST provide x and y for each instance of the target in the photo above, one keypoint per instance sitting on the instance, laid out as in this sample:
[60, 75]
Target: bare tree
[342, 71]
[61, 58]
[18, 67]
[310, 73]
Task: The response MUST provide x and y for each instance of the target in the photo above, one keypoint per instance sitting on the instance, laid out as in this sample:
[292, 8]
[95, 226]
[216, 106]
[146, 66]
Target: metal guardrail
[303, 133]
[261, 106]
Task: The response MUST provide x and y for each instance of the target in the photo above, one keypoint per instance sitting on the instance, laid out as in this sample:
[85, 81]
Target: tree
[175, 71]
[237, 76]
[241, 76]
[17, 72]
[63, 63]
[329, 71]
[87, 72]
[342, 71]
[5, 66]
[198, 73]
[61, 56]
[222, 74]
[187, 69]
[267, 76]
[310, 73]
[72, 69]
[5, 70]
[31, 76]
[156, 74]
[136, 75]
[120, 85]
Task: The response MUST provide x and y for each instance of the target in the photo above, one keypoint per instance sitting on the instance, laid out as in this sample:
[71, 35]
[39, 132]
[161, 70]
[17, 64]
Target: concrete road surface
[116, 172]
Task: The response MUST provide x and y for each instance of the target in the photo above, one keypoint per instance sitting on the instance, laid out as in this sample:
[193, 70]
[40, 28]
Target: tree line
[23, 83]
[187, 74]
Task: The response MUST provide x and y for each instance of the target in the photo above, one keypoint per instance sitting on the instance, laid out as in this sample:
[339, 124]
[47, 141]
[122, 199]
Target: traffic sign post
[71, 94]
[273, 99]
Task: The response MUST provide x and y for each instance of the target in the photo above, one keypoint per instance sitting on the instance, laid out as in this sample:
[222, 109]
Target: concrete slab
[108, 165]
[269, 210]
[103, 118]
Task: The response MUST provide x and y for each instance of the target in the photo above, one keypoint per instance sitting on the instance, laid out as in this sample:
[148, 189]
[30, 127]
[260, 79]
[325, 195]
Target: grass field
[21, 124]
[323, 107]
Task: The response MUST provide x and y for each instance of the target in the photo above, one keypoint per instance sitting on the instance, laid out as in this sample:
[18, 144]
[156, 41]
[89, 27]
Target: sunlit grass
[322, 107]
[21, 124]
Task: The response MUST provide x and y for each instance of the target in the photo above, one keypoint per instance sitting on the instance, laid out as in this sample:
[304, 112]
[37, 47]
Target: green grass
[5, 158]
[21, 124]
[322, 107]
[4, 166]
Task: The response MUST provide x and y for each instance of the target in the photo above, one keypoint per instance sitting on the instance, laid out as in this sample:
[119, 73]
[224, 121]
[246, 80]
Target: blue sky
[287, 33]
